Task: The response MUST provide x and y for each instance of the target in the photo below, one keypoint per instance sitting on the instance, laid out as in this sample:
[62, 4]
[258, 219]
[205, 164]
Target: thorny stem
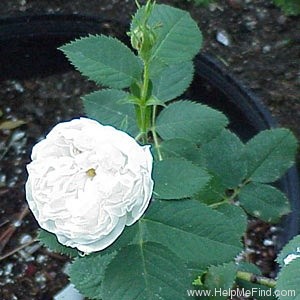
[269, 282]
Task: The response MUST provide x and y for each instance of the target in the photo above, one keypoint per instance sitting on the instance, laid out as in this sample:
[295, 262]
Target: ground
[259, 45]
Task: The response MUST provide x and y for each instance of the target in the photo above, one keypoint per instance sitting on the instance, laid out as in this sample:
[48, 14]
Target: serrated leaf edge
[66, 52]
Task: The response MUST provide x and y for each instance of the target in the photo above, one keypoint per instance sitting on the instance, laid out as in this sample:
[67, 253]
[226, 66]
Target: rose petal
[87, 181]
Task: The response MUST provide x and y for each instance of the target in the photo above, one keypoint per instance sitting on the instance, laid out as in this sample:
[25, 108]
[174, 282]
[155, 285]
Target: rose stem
[269, 282]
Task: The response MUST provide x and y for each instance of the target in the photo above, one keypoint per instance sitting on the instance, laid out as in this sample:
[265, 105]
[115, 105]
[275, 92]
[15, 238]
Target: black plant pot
[28, 45]
[28, 48]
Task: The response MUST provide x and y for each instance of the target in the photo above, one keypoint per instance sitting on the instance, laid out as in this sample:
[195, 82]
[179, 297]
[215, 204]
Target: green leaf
[87, 273]
[146, 271]
[105, 60]
[182, 149]
[235, 215]
[288, 281]
[249, 267]
[264, 202]
[213, 192]
[190, 121]
[177, 178]
[269, 154]
[178, 37]
[50, 241]
[193, 233]
[107, 107]
[192, 230]
[172, 81]
[290, 251]
[223, 156]
[220, 279]
[129, 236]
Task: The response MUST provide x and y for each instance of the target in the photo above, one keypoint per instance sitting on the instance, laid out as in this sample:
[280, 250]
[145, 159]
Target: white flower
[87, 181]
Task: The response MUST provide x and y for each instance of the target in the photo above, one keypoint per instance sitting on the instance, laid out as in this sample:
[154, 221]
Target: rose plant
[90, 185]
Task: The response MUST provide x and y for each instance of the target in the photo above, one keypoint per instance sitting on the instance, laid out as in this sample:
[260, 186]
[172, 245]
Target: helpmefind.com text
[241, 292]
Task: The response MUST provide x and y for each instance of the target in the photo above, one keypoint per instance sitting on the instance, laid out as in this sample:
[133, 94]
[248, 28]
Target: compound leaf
[105, 60]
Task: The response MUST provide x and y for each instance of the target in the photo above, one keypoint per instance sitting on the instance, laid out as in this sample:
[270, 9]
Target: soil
[257, 42]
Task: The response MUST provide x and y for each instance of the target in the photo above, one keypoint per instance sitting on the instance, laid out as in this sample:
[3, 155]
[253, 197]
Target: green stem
[143, 108]
[237, 190]
[144, 91]
[235, 193]
[230, 198]
[139, 136]
[225, 200]
[143, 120]
[154, 134]
[269, 282]
[217, 204]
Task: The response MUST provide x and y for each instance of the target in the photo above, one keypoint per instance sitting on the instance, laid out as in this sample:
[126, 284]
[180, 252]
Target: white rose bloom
[87, 181]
